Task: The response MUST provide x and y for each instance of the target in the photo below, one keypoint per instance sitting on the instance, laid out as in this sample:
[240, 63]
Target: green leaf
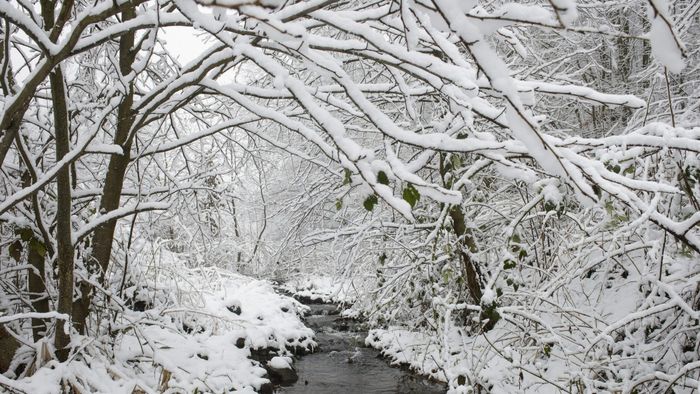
[547, 350]
[508, 264]
[382, 178]
[621, 218]
[490, 313]
[549, 206]
[25, 233]
[456, 161]
[446, 275]
[411, 195]
[613, 167]
[370, 202]
[338, 204]
[609, 207]
[447, 168]
[346, 178]
[38, 247]
[15, 250]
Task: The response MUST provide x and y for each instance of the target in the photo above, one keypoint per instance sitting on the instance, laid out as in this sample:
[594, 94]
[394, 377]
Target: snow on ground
[324, 289]
[462, 361]
[193, 332]
[280, 362]
[536, 349]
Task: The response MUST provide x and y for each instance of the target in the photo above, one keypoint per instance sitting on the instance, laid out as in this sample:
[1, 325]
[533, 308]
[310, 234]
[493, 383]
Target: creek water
[344, 365]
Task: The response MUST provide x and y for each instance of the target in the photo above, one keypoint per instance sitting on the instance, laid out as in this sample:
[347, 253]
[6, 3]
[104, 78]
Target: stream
[343, 364]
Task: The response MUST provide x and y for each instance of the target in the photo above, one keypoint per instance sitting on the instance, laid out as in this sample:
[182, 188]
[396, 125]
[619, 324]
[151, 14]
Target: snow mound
[190, 330]
[280, 362]
[321, 289]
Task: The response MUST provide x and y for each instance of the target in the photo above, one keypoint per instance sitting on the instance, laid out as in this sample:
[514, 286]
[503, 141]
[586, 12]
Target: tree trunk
[98, 261]
[8, 347]
[37, 288]
[64, 241]
[471, 271]
[36, 256]
[64, 256]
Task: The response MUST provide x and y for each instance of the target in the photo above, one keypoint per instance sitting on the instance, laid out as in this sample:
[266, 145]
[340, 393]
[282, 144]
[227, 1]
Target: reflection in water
[344, 365]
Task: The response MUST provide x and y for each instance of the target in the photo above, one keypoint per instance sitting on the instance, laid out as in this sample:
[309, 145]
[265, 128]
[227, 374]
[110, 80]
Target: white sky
[184, 43]
[187, 43]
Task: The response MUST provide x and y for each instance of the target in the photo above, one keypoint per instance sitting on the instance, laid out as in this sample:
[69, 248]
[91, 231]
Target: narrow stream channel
[343, 364]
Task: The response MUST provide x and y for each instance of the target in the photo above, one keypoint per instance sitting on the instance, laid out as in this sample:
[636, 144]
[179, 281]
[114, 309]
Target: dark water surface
[344, 365]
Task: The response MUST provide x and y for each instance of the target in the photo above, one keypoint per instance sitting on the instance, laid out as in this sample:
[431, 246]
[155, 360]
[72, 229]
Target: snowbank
[193, 330]
[535, 348]
[319, 289]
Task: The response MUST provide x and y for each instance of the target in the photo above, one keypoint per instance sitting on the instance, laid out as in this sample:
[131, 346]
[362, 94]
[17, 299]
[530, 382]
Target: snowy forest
[502, 195]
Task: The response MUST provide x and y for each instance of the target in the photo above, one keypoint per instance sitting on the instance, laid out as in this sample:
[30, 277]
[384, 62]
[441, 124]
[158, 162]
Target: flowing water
[344, 365]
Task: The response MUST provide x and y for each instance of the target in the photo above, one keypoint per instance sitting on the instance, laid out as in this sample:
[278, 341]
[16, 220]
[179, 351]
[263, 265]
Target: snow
[584, 233]
[197, 362]
[18, 18]
[325, 289]
[207, 359]
[550, 190]
[111, 149]
[488, 297]
[585, 93]
[78, 148]
[240, 3]
[280, 362]
[664, 45]
[116, 214]
[565, 10]
[498, 360]
[33, 315]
